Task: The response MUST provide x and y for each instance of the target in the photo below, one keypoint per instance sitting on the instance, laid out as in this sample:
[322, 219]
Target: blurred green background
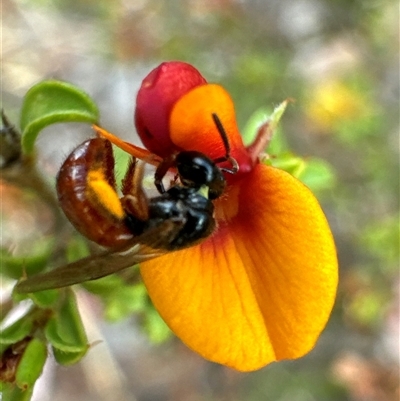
[339, 60]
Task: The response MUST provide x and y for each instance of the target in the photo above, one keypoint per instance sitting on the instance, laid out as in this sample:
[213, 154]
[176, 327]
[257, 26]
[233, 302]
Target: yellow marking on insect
[104, 194]
[203, 191]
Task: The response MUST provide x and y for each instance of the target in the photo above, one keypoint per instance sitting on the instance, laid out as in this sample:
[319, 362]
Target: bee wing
[107, 262]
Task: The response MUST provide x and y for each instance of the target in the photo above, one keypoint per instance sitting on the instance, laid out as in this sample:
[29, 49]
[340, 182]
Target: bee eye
[195, 169]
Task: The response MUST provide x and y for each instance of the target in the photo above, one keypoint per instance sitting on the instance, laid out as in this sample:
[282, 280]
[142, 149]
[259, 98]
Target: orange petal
[262, 288]
[193, 128]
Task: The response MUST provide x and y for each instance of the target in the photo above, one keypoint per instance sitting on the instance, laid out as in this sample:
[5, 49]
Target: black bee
[133, 228]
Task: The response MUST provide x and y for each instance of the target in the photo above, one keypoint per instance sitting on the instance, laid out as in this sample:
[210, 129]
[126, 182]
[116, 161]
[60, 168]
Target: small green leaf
[290, 163]
[51, 102]
[277, 114]
[106, 286]
[16, 266]
[67, 358]
[45, 299]
[259, 117]
[317, 174]
[10, 392]
[65, 330]
[31, 364]
[262, 116]
[16, 331]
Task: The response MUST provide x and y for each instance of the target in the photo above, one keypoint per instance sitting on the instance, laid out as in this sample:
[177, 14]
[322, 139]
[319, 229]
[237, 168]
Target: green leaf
[253, 123]
[67, 358]
[65, 330]
[10, 392]
[106, 286]
[51, 102]
[317, 174]
[262, 116]
[45, 299]
[16, 331]
[290, 163]
[31, 364]
[16, 266]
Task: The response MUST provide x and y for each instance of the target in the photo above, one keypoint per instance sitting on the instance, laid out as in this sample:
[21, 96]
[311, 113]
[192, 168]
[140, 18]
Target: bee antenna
[225, 140]
[222, 132]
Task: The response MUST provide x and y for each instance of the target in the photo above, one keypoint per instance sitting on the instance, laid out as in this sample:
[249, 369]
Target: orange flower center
[227, 207]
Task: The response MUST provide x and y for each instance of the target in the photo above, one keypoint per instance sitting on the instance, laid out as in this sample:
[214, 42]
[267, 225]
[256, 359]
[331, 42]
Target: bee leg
[162, 170]
[135, 201]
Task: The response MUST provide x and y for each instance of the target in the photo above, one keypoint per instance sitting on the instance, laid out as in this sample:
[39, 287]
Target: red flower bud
[156, 97]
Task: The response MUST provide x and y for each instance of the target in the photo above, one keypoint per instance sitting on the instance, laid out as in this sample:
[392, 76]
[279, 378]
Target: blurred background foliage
[339, 61]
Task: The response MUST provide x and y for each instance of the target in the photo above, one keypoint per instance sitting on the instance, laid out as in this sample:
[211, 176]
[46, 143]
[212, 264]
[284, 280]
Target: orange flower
[262, 287]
